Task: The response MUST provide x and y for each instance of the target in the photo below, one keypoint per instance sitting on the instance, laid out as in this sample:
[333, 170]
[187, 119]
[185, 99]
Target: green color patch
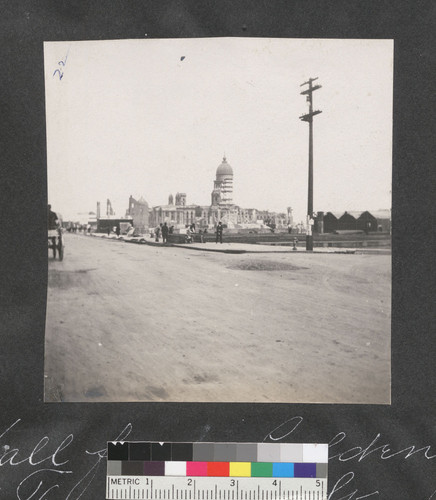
[261, 469]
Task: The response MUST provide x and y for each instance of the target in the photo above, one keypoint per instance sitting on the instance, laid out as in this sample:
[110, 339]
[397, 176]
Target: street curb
[356, 251]
[349, 252]
[226, 250]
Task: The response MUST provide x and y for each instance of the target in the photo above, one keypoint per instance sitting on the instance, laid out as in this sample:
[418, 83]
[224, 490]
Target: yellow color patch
[240, 469]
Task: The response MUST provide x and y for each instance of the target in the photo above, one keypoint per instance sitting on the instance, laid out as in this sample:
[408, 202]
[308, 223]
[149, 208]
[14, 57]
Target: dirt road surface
[129, 322]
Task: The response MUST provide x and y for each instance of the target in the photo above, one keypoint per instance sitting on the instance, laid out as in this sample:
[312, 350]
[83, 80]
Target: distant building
[179, 214]
[139, 211]
[180, 199]
[174, 214]
[110, 220]
[92, 221]
[107, 223]
[383, 218]
[329, 220]
[366, 221]
[222, 194]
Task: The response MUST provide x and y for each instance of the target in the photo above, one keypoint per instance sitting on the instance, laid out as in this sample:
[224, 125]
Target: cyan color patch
[283, 470]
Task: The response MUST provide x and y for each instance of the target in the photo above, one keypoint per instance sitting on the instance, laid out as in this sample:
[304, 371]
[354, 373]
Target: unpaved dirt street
[130, 322]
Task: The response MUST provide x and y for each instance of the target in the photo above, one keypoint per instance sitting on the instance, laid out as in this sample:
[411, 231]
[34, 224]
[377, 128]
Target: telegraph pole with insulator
[309, 118]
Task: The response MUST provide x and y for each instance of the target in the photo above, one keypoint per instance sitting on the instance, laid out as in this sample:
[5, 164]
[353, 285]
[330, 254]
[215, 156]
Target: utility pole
[309, 118]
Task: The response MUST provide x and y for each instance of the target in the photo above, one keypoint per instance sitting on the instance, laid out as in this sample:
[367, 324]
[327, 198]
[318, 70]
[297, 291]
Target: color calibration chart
[216, 471]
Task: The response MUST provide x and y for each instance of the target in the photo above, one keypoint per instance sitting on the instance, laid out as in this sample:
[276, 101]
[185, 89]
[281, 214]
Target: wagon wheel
[61, 248]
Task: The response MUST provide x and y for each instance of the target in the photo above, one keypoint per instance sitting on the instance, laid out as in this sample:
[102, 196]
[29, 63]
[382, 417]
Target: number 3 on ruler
[232, 482]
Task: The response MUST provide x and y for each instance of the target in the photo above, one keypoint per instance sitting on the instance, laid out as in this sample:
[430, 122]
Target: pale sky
[130, 117]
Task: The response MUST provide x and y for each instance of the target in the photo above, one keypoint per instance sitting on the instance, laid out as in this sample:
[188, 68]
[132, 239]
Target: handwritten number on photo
[60, 71]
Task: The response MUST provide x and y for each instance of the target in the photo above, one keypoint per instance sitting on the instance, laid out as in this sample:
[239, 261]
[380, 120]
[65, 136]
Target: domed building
[222, 193]
[179, 213]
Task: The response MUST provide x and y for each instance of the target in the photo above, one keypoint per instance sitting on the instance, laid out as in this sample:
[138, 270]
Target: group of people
[162, 230]
[116, 229]
[191, 231]
[84, 228]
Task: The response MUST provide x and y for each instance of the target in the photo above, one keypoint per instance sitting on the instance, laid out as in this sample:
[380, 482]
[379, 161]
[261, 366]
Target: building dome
[224, 168]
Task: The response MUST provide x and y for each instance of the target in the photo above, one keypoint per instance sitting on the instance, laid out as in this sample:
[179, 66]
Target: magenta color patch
[196, 468]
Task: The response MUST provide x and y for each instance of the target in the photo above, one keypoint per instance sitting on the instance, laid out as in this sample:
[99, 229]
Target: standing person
[118, 230]
[52, 218]
[157, 233]
[52, 224]
[188, 237]
[165, 230]
[219, 232]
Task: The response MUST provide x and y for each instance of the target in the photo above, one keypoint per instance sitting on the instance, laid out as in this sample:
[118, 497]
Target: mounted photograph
[219, 220]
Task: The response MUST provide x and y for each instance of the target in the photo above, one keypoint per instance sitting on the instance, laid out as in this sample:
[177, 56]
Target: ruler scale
[216, 471]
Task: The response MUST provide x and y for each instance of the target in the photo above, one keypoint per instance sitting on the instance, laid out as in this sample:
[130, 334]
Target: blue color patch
[305, 470]
[283, 470]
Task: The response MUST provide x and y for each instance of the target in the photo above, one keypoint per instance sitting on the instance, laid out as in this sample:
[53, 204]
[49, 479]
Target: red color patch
[218, 469]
